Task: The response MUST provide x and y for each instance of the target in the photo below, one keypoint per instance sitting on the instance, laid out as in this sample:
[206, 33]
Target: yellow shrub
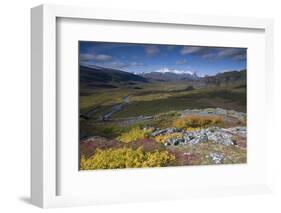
[126, 158]
[242, 121]
[163, 138]
[133, 135]
[179, 123]
[197, 121]
[192, 128]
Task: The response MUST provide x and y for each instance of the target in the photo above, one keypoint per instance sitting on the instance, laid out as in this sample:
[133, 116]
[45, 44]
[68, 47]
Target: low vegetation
[126, 158]
[125, 139]
[134, 134]
[198, 121]
[164, 138]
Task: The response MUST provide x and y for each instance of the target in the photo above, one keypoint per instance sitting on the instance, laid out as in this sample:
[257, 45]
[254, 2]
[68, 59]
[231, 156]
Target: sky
[139, 58]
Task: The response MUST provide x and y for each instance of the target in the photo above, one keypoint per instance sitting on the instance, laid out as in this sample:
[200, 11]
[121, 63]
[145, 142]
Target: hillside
[106, 75]
[110, 78]
[226, 78]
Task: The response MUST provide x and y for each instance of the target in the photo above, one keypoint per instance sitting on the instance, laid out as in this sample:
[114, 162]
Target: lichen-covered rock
[220, 136]
[214, 111]
[214, 134]
[164, 131]
[240, 130]
[217, 158]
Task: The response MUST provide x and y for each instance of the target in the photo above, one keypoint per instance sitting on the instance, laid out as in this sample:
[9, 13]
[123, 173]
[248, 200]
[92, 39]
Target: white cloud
[181, 62]
[189, 50]
[137, 64]
[215, 53]
[221, 53]
[170, 47]
[94, 57]
[103, 58]
[120, 64]
[151, 49]
[116, 65]
[229, 52]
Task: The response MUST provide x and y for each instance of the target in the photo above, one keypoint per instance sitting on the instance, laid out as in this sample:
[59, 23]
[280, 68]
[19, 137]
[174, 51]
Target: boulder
[216, 157]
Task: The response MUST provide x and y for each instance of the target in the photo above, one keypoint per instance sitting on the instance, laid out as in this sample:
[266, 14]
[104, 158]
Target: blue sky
[138, 58]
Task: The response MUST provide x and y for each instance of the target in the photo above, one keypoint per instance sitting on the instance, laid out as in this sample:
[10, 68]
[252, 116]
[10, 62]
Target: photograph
[161, 105]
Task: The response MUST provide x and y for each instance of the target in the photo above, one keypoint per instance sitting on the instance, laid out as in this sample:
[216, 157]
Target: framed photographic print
[149, 106]
[153, 105]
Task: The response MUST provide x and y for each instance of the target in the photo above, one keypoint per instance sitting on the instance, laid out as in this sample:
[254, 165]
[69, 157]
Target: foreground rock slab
[215, 134]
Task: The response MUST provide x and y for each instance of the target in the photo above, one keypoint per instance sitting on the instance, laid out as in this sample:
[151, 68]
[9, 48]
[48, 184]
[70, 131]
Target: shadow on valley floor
[198, 100]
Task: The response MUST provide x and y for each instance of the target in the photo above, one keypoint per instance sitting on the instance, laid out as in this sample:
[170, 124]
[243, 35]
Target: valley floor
[163, 124]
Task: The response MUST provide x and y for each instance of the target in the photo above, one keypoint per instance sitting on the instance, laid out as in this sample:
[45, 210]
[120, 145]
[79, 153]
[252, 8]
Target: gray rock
[91, 139]
[165, 131]
[197, 137]
[214, 134]
[217, 158]
[241, 131]
[214, 111]
[220, 136]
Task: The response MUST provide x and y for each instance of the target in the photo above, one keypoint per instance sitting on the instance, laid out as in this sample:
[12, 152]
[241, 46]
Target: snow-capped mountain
[175, 71]
[166, 74]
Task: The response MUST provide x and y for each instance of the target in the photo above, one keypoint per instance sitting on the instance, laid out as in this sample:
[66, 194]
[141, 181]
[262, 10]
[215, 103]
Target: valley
[184, 120]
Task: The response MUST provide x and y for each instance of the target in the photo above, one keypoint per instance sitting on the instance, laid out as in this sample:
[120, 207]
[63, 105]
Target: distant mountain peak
[166, 74]
[175, 71]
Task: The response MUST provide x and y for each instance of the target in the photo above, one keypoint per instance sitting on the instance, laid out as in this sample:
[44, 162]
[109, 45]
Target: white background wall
[15, 104]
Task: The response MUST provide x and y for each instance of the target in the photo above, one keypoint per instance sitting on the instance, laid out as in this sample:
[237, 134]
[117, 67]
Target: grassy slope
[201, 99]
[154, 99]
[157, 98]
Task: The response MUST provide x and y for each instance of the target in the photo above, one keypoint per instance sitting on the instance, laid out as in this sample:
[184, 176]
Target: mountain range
[169, 76]
[106, 77]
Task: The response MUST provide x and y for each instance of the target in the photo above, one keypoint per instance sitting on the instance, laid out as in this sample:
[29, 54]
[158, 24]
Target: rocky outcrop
[217, 158]
[214, 134]
[159, 131]
[214, 111]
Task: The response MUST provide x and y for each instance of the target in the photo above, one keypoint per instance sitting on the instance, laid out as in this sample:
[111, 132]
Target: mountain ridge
[105, 75]
[102, 75]
[229, 77]
[169, 76]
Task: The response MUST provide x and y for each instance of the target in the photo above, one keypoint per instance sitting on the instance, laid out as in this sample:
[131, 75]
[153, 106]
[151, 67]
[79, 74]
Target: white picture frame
[44, 154]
